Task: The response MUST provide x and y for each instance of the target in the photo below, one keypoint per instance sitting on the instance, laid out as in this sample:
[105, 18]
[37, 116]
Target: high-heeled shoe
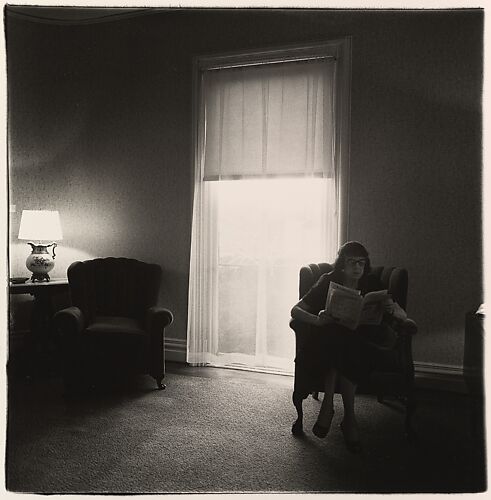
[353, 445]
[320, 430]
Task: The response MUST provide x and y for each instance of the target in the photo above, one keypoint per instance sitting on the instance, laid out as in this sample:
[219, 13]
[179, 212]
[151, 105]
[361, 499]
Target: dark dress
[353, 353]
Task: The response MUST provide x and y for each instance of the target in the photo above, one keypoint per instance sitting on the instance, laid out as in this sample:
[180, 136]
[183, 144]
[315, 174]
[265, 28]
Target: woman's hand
[324, 318]
[389, 306]
[394, 310]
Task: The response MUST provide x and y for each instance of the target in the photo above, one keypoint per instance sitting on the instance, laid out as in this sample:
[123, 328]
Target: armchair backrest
[114, 286]
[395, 279]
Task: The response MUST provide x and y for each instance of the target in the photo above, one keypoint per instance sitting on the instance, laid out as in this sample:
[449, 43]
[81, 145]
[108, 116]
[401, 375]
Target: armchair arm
[406, 328]
[157, 318]
[294, 323]
[70, 321]
[299, 327]
[302, 333]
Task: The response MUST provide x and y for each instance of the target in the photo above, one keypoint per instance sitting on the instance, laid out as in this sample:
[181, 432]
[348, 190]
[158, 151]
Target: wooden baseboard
[175, 349]
[439, 377]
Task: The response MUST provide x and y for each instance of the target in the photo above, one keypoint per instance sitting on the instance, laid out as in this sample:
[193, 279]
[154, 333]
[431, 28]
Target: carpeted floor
[215, 430]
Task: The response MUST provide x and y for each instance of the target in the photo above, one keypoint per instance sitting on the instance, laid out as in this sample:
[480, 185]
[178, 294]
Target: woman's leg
[327, 408]
[348, 391]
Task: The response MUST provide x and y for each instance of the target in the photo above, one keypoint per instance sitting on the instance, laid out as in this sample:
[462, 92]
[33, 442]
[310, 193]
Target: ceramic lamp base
[40, 277]
[40, 262]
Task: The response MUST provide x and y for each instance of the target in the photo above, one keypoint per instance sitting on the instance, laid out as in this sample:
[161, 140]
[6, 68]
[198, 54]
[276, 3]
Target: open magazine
[352, 309]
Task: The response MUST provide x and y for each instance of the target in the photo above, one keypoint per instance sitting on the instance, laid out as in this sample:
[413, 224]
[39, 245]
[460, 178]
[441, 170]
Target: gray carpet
[217, 430]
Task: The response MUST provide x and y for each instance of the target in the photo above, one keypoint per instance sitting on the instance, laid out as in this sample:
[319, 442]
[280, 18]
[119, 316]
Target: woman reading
[345, 357]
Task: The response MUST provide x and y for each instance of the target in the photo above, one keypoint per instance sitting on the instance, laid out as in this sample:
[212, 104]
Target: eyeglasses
[353, 262]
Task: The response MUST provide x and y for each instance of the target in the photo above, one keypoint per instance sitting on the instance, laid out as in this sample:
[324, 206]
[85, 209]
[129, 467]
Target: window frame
[339, 49]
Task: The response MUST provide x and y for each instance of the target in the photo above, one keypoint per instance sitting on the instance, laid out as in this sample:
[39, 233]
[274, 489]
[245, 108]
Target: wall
[100, 127]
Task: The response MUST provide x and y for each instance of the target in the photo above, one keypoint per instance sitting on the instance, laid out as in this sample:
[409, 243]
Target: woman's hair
[352, 249]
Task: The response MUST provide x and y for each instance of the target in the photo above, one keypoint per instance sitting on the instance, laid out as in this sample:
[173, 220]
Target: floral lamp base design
[40, 262]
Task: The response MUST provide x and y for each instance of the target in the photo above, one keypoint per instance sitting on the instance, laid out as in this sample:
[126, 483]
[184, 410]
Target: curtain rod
[261, 63]
[73, 21]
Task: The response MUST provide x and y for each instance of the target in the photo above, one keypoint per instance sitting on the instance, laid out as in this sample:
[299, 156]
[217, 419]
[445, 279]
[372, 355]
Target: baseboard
[175, 349]
[439, 376]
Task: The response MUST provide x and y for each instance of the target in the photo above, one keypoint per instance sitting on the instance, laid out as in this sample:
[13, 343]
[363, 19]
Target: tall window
[266, 199]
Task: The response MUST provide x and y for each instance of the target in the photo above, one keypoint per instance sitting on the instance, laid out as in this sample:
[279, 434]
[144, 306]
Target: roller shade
[269, 120]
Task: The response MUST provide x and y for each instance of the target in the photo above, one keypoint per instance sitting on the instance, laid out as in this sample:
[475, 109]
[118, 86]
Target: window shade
[269, 120]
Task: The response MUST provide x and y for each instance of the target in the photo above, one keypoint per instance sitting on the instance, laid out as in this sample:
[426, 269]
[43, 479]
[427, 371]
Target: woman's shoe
[353, 445]
[297, 428]
[320, 430]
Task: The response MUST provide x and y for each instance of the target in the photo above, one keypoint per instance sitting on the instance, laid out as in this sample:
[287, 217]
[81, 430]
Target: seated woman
[345, 357]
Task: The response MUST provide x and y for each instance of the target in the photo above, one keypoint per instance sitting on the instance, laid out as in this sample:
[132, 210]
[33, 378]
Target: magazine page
[340, 290]
[373, 307]
[345, 304]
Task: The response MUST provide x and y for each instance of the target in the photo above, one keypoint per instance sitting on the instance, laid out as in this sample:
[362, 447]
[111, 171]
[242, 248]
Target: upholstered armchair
[396, 384]
[114, 325]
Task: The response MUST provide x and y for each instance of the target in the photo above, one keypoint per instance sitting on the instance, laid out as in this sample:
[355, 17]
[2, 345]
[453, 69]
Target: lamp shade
[40, 225]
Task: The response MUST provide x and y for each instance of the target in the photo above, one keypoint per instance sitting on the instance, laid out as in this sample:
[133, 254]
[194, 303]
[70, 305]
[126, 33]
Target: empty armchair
[114, 325]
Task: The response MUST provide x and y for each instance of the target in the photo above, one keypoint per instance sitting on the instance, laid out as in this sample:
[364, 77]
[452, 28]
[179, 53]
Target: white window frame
[339, 49]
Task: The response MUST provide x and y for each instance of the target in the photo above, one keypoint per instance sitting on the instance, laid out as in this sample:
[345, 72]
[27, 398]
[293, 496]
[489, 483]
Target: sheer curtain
[264, 204]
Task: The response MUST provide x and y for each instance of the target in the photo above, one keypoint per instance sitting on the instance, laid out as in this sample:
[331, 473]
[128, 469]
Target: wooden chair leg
[297, 427]
[160, 385]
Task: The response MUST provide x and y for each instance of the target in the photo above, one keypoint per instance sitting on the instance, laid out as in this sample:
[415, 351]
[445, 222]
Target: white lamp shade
[40, 225]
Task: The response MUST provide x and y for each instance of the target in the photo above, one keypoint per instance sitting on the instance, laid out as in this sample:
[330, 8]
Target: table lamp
[41, 226]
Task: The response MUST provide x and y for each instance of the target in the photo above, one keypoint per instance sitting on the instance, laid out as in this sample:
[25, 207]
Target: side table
[42, 312]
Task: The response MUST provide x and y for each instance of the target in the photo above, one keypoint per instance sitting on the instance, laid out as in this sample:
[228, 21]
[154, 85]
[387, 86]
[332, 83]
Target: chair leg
[410, 409]
[160, 385]
[297, 427]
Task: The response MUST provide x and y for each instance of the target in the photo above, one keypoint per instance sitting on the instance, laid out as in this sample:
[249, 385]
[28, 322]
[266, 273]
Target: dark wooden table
[39, 287]
[42, 341]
